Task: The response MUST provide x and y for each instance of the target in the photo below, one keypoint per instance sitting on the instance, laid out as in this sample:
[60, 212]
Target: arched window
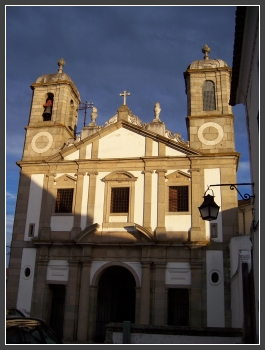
[47, 114]
[208, 96]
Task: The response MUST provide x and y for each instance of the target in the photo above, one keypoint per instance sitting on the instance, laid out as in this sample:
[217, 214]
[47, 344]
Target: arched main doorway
[116, 299]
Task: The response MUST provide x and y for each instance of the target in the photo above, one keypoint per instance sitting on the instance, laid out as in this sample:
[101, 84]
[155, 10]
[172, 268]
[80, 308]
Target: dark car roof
[20, 322]
[24, 321]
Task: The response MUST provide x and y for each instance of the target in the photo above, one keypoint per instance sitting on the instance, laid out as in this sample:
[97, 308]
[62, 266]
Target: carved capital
[89, 173]
[160, 171]
[195, 169]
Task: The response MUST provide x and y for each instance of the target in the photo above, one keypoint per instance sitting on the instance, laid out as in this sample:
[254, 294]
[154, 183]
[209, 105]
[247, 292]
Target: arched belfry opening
[47, 113]
[115, 300]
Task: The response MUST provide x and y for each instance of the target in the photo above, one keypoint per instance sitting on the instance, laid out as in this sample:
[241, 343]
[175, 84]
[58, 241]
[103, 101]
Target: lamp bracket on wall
[234, 186]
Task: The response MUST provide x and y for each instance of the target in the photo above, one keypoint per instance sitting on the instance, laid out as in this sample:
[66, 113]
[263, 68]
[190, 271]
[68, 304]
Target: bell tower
[53, 116]
[210, 122]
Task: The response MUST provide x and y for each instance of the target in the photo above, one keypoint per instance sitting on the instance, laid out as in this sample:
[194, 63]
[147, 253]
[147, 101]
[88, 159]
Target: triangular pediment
[64, 179]
[119, 176]
[178, 175]
[124, 135]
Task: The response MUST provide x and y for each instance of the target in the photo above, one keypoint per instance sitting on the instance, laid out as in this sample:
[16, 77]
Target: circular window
[215, 277]
[27, 272]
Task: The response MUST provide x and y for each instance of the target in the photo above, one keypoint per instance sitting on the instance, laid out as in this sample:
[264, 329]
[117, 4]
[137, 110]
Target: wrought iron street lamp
[209, 209]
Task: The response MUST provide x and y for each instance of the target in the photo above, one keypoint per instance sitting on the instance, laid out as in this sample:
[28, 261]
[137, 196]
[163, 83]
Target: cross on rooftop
[125, 93]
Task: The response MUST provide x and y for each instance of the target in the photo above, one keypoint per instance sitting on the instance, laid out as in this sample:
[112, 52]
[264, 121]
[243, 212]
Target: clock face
[46, 140]
[210, 133]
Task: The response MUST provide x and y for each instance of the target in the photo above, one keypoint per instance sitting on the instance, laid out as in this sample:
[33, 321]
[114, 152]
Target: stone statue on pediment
[157, 110]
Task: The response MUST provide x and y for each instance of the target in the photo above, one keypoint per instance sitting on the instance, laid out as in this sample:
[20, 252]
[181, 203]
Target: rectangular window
[64, 200]
[31, 230]
[178, 198]
[213, 230]
[119, 202]
[178, 307]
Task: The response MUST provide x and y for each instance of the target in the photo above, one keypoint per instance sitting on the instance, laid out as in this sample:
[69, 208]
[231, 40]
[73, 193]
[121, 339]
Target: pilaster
[91, 197]
[78, 203]
[71, 301]
[145, 294]
[161, 229]
[147, 199]
[83, 309]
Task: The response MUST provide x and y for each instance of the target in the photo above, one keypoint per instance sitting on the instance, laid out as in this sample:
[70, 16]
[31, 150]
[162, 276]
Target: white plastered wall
[173, 152]
[112, 145]
[88, 151]
[215, 290]
[26, 282]
[72, 156]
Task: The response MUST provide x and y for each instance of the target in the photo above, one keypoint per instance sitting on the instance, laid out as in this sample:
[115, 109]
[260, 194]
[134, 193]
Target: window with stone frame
[119, 198]
[213, 230]
[119, 202]
[64, 200]
[178, 193]
[208, 96]
[178, 198]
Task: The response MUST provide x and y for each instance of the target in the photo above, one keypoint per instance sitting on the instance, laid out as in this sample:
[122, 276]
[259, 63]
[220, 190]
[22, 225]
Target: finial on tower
[206, 51]
[61, 63]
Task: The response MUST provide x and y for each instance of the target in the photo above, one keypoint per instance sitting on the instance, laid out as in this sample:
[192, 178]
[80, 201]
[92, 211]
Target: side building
[245, 90]
[107, 226]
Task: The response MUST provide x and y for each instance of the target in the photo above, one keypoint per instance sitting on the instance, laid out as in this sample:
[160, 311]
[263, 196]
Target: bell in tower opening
[47, 114]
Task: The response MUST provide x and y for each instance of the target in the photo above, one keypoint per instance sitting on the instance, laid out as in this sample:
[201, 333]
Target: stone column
[91, 198]
[159, 297]
[147, 199]
[71, 302]
[83, 309]
[161, 229]
[77, 206]
[145, 294]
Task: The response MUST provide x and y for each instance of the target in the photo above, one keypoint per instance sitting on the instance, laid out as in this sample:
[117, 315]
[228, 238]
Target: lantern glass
[209, 209]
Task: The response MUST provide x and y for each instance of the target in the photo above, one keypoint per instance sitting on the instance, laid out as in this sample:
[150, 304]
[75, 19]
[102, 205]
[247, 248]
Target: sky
[108, 49]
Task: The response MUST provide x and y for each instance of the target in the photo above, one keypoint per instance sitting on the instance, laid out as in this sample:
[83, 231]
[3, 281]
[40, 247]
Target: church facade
[107, 226]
